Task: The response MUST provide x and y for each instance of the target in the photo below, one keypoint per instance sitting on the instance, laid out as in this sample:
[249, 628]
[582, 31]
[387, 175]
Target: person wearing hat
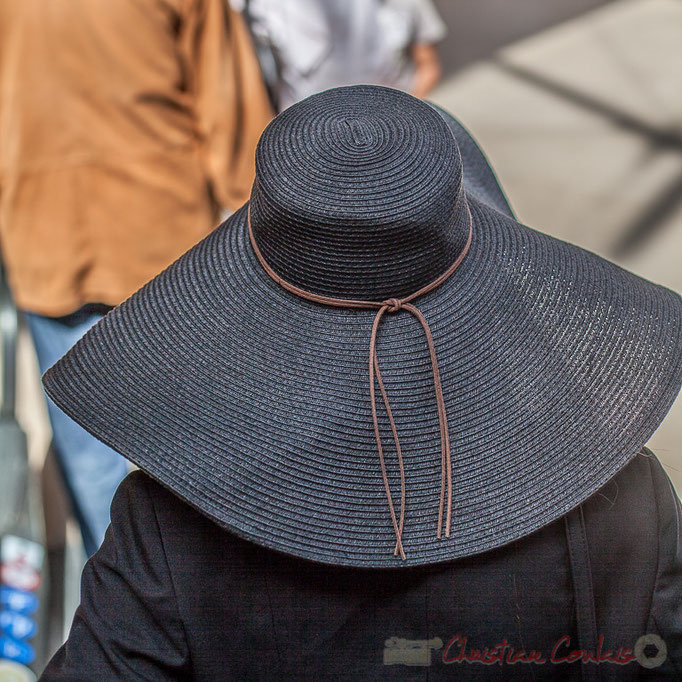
[384, 432]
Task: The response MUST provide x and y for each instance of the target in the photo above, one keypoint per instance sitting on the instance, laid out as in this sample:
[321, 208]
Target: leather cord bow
[394, 305]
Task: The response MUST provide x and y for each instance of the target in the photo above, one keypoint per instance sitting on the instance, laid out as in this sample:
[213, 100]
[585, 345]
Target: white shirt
[320, 44]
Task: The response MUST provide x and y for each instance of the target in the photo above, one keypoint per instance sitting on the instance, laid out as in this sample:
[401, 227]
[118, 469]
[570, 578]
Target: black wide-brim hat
[252, 403]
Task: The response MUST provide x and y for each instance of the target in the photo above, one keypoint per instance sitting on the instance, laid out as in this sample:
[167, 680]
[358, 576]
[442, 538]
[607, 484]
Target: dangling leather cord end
[375, 371]
[394, 305]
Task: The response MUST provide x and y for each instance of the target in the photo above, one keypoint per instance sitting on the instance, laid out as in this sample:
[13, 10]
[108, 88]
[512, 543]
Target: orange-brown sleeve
[231, 103]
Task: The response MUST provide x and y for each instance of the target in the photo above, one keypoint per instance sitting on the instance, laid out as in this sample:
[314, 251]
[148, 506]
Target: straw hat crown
[359, 197]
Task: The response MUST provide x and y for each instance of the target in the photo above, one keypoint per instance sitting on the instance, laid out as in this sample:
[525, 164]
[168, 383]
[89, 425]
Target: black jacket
[171, 596]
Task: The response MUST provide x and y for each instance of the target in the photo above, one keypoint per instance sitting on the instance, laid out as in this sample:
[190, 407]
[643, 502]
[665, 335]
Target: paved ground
[583, 124]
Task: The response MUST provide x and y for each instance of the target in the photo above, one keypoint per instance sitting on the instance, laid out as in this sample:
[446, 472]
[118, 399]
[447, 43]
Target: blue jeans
[91, 470]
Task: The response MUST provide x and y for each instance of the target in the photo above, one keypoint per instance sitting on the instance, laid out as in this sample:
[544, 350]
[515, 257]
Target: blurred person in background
[126, 127]
[306, 46]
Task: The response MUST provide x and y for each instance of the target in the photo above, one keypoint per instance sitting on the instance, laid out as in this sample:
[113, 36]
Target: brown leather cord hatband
[394, 305]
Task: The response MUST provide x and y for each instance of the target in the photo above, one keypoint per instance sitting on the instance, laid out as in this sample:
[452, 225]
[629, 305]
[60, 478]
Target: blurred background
[578, 106]
[576, 103]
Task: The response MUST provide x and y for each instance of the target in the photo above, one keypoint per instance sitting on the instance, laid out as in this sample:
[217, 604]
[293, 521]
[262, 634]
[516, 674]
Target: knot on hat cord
[394, 305]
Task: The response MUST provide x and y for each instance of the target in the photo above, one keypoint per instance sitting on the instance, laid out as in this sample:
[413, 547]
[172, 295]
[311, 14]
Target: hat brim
[252, 404]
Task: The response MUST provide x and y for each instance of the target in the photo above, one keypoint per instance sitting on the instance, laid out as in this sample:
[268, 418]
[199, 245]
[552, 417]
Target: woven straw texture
[387, 182]
[252, 404]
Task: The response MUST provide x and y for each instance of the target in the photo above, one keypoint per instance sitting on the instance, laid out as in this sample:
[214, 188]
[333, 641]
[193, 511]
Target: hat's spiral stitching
[393, 305]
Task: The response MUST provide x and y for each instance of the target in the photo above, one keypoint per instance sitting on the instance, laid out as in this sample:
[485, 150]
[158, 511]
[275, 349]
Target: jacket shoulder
[143, 493]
